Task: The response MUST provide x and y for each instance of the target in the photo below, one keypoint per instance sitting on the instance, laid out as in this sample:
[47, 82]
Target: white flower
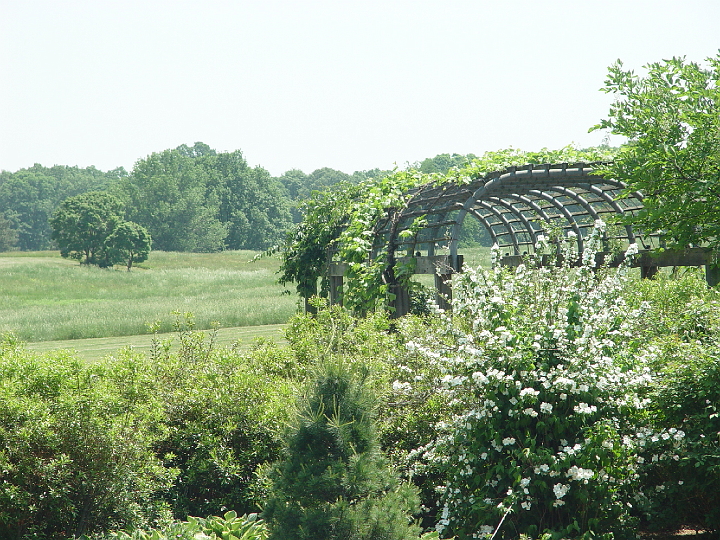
[546, 407]
[530, 412]
[578, 473]
[584, 408]
[508, 441]
[560, 490]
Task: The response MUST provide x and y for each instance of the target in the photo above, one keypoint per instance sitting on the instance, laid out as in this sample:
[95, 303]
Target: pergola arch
[514, 205]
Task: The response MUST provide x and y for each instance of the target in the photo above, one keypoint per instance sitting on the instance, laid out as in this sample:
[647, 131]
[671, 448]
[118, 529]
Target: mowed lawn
[44, 297]
[240, 338]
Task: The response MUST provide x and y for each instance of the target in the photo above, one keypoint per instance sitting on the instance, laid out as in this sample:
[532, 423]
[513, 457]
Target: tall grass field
[44, 297]
[54, 303]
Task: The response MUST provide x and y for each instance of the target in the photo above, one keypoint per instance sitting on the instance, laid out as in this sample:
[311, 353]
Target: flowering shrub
[680, 460]
[544, 391]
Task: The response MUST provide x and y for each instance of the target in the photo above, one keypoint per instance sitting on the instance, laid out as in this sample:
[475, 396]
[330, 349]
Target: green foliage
[680, 463]
[167, 193]
[222, 418]
[195, 199]
[333, 481]
[129, 243]
[305, 253]
[82, 224]
[89, 228]
[75, 445]
[442, 163]
[252, 205]
[227, 527]
[29, 197]
[671, 118]
[128, 441]
[345, 223]
[409, 406]
[8, 235]
[679, 307]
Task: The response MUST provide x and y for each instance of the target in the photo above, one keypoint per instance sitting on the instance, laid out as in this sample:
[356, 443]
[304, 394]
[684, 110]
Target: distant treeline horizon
[190, 198]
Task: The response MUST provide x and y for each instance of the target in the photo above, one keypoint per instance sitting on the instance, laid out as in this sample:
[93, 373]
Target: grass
[54, 303]
[92, 349]
[46, 298]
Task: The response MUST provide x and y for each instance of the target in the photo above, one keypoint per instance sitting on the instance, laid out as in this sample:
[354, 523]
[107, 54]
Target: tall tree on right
[671, 119]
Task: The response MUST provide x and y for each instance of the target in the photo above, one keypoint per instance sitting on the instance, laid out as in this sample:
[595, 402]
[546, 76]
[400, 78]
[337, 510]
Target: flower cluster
[543, 397]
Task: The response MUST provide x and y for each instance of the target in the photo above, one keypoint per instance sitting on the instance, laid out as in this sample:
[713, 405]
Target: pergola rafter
[515, 206]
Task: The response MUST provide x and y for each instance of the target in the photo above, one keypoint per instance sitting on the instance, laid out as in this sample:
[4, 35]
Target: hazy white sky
[347, 84]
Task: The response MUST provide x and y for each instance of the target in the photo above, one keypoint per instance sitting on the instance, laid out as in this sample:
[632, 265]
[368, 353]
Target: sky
[305, 84]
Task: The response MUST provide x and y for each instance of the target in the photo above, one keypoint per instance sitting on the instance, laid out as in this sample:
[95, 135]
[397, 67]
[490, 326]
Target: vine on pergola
[369, 225]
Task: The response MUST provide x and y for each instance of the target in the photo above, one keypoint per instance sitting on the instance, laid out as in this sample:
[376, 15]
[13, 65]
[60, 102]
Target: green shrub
[676, 305]
[409, 405]
[227, 527]
[223, 413]
[681, 459]
[76, 446]
[333, 482]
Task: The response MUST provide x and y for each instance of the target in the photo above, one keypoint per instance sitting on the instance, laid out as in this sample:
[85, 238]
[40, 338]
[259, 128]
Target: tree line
[190, 198]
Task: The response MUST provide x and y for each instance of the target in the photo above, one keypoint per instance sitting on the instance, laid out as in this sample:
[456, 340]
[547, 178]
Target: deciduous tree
[8, 235]
[82, 224]
[128, 243]
[671, 118]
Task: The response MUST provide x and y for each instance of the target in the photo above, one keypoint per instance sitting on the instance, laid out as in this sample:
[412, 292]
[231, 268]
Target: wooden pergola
[515, 206]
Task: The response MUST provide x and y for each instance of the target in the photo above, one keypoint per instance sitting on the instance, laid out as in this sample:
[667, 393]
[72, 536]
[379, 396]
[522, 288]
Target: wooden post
[648, 272]
[443, 295]
[712, 274]
[402, 302]
[336, 283]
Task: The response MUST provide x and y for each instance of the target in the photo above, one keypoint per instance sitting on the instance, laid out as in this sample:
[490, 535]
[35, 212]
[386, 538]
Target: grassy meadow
[53, 303]
[44, 297]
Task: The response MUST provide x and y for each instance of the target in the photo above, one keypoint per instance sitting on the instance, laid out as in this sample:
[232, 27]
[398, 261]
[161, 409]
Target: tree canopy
[8, 235]
[82, 224]
[129, 243]
[29, 197]
[671, 118]
[195, 199]
[90, 228]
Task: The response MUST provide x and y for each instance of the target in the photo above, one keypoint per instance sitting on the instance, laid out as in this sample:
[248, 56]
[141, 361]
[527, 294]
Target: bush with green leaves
[545, 386]
[333, 482]
[75, 445]
[223, 414]
[679, 461]
[409, 406]
[131, 440]
[228, 527]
